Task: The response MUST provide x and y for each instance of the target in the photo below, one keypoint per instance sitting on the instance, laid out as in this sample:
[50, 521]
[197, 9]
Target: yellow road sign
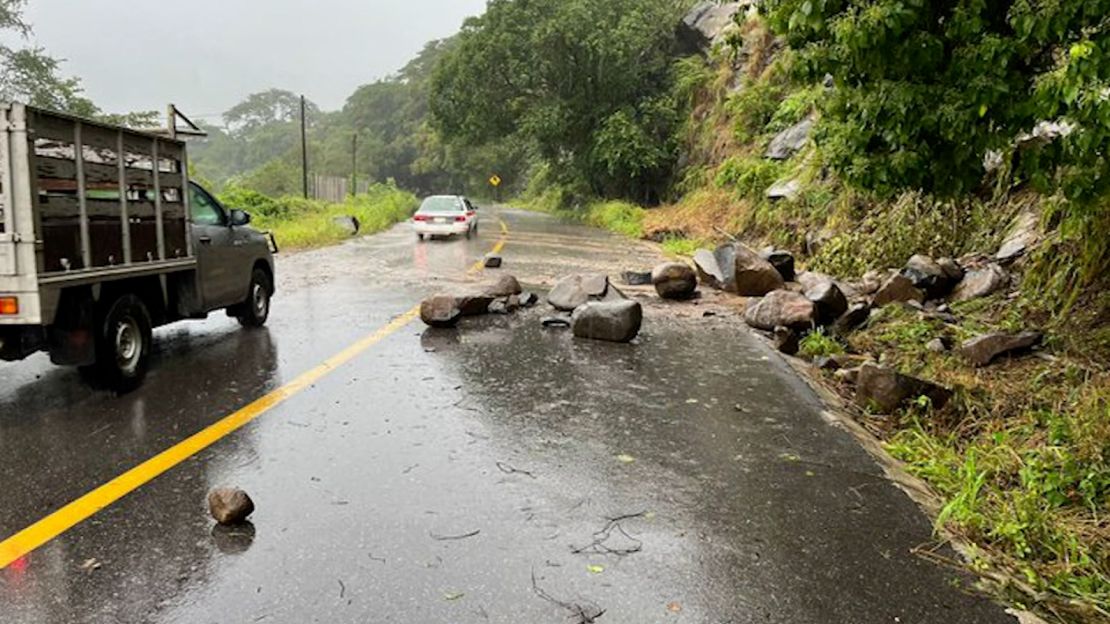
[495, 180]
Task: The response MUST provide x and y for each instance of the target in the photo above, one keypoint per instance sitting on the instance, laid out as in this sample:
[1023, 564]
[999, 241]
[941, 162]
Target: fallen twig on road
[584, 614]
[446, 538]
[509, 469]
[598, 546]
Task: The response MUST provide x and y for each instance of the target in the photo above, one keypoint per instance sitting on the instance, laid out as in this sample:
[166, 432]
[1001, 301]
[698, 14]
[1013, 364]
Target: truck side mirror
[239, 217]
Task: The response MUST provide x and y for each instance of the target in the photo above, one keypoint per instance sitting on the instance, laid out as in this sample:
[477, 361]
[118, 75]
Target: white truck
[103, 237]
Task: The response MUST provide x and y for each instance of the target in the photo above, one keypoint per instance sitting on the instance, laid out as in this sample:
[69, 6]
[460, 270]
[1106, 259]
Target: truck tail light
[420, 218]
[9, 306]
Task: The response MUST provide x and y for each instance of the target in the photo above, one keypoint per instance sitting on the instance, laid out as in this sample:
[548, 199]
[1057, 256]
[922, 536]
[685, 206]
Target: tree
[268, 107]
[925, 88]
[30, 75]
[576, 79]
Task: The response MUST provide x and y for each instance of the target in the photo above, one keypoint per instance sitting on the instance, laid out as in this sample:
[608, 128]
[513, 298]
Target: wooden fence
[334, 188]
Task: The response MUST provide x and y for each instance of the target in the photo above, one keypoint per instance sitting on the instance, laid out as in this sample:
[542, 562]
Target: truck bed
[82, 201]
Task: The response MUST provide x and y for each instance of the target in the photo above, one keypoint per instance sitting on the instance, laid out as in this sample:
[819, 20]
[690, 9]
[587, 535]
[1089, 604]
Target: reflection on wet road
[455, 476]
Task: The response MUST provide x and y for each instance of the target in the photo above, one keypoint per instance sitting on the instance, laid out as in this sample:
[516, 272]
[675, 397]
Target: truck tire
[123, 344]
[256, 309]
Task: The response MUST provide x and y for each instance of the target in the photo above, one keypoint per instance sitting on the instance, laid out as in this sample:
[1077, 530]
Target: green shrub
[819, 344]
[749, 176]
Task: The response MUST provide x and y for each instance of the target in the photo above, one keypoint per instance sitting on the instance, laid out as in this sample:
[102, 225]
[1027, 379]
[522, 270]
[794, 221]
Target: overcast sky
[206, 55]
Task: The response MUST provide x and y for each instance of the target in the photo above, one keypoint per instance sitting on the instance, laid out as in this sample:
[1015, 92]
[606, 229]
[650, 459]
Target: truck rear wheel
[256, 309]
[123, 344]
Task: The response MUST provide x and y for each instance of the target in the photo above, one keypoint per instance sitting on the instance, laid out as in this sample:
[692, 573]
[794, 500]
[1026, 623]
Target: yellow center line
[89, 504]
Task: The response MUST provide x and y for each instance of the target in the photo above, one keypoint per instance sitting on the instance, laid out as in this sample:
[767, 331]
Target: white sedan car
[445, 215]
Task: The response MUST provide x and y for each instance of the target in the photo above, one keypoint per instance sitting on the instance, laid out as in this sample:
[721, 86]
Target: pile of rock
[505, 296]
[598, 310]
[788, 304]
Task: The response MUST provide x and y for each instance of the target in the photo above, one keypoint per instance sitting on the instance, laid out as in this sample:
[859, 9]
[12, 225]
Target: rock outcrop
[790, 141]
[707, 23]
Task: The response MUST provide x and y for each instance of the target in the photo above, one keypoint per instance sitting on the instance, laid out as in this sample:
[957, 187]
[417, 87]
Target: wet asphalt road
[742, 503]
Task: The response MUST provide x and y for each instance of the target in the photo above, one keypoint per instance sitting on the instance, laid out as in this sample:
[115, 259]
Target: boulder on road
[528, 299]
[830, 301]
[674, 280]
[504, 286]
[754, 276]
[981, 283]
[440, 311]
[982, 350]
[574, 291]
[782, 260]
[781, 308]
[349, 224]
[474, 304]
[886, 389]
[612, 321]
[897, 289]
[229, 505]
[492, 261]
[636, 278]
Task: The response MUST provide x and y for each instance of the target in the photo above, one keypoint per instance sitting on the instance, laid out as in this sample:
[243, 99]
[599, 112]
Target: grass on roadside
[1021, 457]
[298, 223]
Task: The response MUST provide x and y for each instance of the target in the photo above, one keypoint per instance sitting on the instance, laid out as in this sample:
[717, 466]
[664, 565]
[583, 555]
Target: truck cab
[103, 238]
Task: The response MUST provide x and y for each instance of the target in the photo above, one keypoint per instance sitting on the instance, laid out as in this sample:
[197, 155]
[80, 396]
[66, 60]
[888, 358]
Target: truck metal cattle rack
[91, 212]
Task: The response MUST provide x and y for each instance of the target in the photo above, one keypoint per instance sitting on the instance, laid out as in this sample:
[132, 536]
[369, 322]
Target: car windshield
[442, 204]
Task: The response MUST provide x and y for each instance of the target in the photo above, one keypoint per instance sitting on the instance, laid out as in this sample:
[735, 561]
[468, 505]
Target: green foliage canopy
[924, 88]
[584, 82]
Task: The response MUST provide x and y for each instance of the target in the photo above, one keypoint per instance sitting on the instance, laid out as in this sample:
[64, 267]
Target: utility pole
[304, 150]
[354, 164]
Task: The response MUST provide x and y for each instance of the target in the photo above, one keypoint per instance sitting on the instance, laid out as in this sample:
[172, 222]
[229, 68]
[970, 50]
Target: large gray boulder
[789, 141]
[781, 308]
[983, 350]
[674, 280]
[886, 389]
[440, 311]
[707, 23]
[574, 291]
[504, 286]
[980, 283]
[612, 321]
[737, 269]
